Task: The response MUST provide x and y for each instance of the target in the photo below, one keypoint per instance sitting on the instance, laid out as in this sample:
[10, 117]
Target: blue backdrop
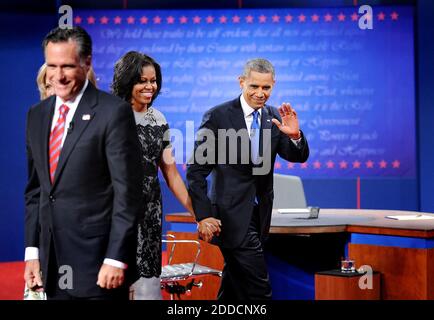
[20, 58]
[353, 89]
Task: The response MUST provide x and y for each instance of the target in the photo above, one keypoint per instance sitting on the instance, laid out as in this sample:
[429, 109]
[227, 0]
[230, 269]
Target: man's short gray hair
[258, 65]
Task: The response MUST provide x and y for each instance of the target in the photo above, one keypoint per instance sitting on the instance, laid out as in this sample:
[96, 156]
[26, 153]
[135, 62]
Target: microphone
[71, 127]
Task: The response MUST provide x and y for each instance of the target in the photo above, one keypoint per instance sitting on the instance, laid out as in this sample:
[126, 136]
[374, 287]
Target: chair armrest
[174, 242]
[172, 251]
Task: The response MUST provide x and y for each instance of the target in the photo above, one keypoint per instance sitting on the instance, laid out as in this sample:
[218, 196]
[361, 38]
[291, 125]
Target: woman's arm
[174, 180]
[207, 227]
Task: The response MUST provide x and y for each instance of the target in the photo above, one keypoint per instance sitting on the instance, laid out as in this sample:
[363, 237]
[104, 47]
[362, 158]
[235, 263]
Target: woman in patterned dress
[137, 79]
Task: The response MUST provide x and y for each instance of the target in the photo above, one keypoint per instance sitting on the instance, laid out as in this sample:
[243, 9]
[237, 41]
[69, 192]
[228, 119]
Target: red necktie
[56, 136]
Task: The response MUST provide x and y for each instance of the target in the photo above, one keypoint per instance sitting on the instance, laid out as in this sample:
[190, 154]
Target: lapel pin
[85, 117]
[268, 120]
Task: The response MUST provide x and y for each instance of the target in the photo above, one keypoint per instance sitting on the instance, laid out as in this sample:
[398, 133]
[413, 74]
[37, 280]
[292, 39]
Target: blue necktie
[254, 137]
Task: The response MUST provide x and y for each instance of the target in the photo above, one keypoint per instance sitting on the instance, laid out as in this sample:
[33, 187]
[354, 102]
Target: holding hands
[208, 227]
[289, 125]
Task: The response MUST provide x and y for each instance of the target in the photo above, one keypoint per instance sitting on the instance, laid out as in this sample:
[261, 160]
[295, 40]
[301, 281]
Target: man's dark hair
[128, 72]
[77, 34]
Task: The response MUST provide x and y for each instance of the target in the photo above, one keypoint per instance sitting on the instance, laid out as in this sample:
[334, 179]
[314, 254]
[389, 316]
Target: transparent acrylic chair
[173, 273]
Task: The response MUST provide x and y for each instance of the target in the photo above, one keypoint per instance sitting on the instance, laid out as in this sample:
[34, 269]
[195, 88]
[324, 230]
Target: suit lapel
[266, 124]
[47, 119]
[82, 117]
[266, 118]
[237, 115]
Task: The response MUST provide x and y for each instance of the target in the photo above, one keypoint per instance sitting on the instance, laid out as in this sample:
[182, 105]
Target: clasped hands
[208, 228]
[110, 277]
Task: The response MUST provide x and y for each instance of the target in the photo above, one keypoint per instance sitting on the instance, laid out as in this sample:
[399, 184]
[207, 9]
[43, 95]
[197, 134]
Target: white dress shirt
[32, 253]
[248, 113]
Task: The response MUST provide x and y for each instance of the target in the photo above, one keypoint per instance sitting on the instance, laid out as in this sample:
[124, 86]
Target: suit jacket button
[52, 199]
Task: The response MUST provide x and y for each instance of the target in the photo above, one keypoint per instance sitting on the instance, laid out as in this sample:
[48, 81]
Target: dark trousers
[54, 292]
[245, 274]
[113, 294]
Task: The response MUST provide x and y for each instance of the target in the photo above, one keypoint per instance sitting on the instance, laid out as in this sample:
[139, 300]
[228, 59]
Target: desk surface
[342, 220]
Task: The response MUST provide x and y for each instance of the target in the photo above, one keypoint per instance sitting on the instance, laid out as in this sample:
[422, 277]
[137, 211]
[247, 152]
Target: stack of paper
[294, 210]
[412, 217]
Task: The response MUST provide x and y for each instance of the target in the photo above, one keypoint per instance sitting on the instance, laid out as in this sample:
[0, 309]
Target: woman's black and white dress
[154, 137]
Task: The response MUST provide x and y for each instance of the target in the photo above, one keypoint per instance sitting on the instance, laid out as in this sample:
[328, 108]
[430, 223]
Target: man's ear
[241, 79]
[88, 62]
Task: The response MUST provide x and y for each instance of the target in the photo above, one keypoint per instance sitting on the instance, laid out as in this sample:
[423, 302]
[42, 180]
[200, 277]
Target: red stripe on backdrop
[12, 280]
[358, 192]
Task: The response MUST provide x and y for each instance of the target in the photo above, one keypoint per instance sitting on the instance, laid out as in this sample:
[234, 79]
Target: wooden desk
[402, 251]
[337, 286]
[356, 221]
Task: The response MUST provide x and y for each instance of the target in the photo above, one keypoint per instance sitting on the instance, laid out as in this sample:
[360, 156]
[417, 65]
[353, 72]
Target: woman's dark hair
[128, 72]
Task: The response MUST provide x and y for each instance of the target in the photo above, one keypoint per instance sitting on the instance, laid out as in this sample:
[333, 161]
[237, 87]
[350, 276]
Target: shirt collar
[73, 103]
[248, 110]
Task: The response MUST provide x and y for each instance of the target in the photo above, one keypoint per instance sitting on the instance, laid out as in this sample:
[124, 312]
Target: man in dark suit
[241, 194]
[84, 186]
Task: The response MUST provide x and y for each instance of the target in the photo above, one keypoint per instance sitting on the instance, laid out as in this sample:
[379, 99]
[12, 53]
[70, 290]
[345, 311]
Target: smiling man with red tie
[84, 189]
